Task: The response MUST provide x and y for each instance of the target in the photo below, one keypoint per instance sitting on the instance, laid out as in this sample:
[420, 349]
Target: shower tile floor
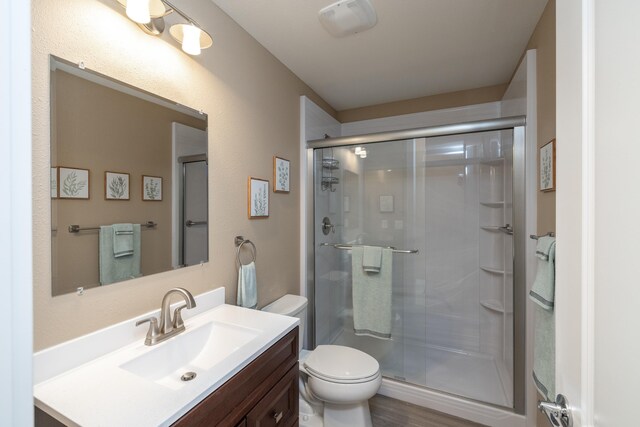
[471, 375]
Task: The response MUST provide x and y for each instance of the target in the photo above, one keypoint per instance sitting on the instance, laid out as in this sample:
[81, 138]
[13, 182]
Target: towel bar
[74, 228]
[550, 234]
[240, 241]
[346, 247]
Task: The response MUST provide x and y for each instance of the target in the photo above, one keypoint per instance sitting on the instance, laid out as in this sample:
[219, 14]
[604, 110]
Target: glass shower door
[450, 198]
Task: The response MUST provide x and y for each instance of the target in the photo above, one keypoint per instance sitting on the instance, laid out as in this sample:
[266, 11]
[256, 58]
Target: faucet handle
[153, 331]
[177, 317]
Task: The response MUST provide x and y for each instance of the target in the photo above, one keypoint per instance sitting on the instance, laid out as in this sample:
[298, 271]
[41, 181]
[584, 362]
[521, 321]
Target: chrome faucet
[168, 326]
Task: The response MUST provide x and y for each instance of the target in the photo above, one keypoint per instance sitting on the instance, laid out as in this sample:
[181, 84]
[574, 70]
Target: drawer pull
[277, 416]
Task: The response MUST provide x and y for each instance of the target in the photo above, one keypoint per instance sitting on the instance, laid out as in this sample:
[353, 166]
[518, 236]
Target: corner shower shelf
[492, 162]
[492, 270]
[493, 305]
[493, 204]
[330, 163]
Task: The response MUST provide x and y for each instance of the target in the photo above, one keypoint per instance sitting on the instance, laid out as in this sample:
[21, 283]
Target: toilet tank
[294, 306]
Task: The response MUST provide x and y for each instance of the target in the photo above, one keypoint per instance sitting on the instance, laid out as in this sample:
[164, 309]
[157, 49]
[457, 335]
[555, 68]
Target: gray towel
[372, 259]
[122, 240]
[114, 269]
[543, 294]
[372, 295]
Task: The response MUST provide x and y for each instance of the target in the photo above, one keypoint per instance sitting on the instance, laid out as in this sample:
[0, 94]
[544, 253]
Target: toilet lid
[341, 364]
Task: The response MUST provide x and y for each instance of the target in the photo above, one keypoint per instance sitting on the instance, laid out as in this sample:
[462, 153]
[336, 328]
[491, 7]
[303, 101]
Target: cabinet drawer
[280, 406]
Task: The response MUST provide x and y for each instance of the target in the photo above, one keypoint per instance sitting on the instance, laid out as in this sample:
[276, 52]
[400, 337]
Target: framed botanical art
[280, 175]
[73, 183]
[151, 188]
[258, 198]
[116, 186]
[548, 166]
[386, 203]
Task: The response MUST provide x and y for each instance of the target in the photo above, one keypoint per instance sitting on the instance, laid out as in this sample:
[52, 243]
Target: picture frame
[73, 183]
[257, 198]
[386, 204]
[281, 175]
[116, 186]
[151, 188]
[548, 166]
[54, 182]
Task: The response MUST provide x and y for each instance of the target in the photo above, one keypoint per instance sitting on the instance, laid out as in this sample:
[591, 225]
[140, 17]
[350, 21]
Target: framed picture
[151, 188]
[73, 183]
[280, 175]
[258, 198]
[548, 166]
[116, 185]
[54, 183]
[386, 203]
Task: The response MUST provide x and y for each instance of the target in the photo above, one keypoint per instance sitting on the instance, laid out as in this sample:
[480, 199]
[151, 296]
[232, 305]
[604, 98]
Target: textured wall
[253, 105]
[543, 40]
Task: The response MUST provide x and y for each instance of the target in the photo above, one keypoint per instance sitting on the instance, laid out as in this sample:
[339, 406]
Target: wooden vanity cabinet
[264, 393]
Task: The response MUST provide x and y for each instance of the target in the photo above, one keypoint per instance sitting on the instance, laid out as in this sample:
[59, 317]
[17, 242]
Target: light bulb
[363, 154]
[358, 151]
[191, 39]
[138, 11]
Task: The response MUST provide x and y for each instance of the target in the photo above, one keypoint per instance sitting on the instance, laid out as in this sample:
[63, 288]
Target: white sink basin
[195, 350]
[110, 378]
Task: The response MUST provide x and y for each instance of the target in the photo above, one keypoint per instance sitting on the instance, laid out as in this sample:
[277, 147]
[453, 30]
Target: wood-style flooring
[388, 412]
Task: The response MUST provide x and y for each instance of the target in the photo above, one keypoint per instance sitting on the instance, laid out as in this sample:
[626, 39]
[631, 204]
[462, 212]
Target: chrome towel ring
[240, 242]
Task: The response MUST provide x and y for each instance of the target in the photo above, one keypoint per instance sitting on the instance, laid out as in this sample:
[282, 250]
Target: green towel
[122, 240]
[372, 295]
[114, 269]
[543, 294]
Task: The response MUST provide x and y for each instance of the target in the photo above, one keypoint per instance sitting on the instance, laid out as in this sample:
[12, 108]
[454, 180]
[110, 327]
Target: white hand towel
[247, 286]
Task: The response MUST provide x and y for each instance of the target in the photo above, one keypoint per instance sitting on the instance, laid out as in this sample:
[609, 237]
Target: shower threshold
[469, 375]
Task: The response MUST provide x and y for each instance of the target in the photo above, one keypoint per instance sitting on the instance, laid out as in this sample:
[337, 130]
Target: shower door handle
[557, 412]
[508, 229]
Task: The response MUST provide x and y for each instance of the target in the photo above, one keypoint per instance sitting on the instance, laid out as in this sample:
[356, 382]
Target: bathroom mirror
[123, 156]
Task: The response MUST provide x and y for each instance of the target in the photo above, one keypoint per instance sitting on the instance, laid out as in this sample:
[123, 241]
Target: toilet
[336, 382]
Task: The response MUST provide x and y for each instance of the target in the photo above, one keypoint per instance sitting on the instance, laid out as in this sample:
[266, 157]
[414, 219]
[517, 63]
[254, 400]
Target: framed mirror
[129, 174]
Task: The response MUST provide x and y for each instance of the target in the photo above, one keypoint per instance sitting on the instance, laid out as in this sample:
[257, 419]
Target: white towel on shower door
[371, 295]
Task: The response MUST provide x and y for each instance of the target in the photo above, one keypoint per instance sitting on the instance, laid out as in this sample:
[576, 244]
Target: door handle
[557, 412]
[190, 223]
[277, 416]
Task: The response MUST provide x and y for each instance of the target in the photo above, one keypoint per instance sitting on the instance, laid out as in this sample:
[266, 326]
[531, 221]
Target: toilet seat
[341, 365]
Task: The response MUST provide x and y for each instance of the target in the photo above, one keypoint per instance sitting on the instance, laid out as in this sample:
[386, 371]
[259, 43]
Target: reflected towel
[372, 295]
[543, 294]
[247, 286]
[371, 259]
[114, 269]
[122, 240]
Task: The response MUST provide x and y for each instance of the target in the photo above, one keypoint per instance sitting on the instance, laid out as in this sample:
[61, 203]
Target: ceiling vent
[348, 17]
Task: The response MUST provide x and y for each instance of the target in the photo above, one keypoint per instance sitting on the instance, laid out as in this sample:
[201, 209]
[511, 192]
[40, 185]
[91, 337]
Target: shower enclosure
[450, 200]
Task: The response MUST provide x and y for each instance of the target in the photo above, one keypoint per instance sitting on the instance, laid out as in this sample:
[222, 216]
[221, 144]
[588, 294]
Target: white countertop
[82, 382]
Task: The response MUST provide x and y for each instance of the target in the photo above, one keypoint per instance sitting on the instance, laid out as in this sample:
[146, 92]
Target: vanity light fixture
[149, 15]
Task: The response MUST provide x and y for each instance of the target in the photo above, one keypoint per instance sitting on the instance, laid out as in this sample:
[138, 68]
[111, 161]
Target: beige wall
[253, 106]
[102, 129]
[426, 103]
[543, 40]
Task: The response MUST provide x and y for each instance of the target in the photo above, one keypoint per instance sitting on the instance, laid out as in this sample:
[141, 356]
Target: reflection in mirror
[128, 181]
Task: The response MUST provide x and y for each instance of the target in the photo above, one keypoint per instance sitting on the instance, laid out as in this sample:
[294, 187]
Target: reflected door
[194, 208]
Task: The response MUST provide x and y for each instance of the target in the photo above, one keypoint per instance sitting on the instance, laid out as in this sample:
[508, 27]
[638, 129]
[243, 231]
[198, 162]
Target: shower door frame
[517, 124]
